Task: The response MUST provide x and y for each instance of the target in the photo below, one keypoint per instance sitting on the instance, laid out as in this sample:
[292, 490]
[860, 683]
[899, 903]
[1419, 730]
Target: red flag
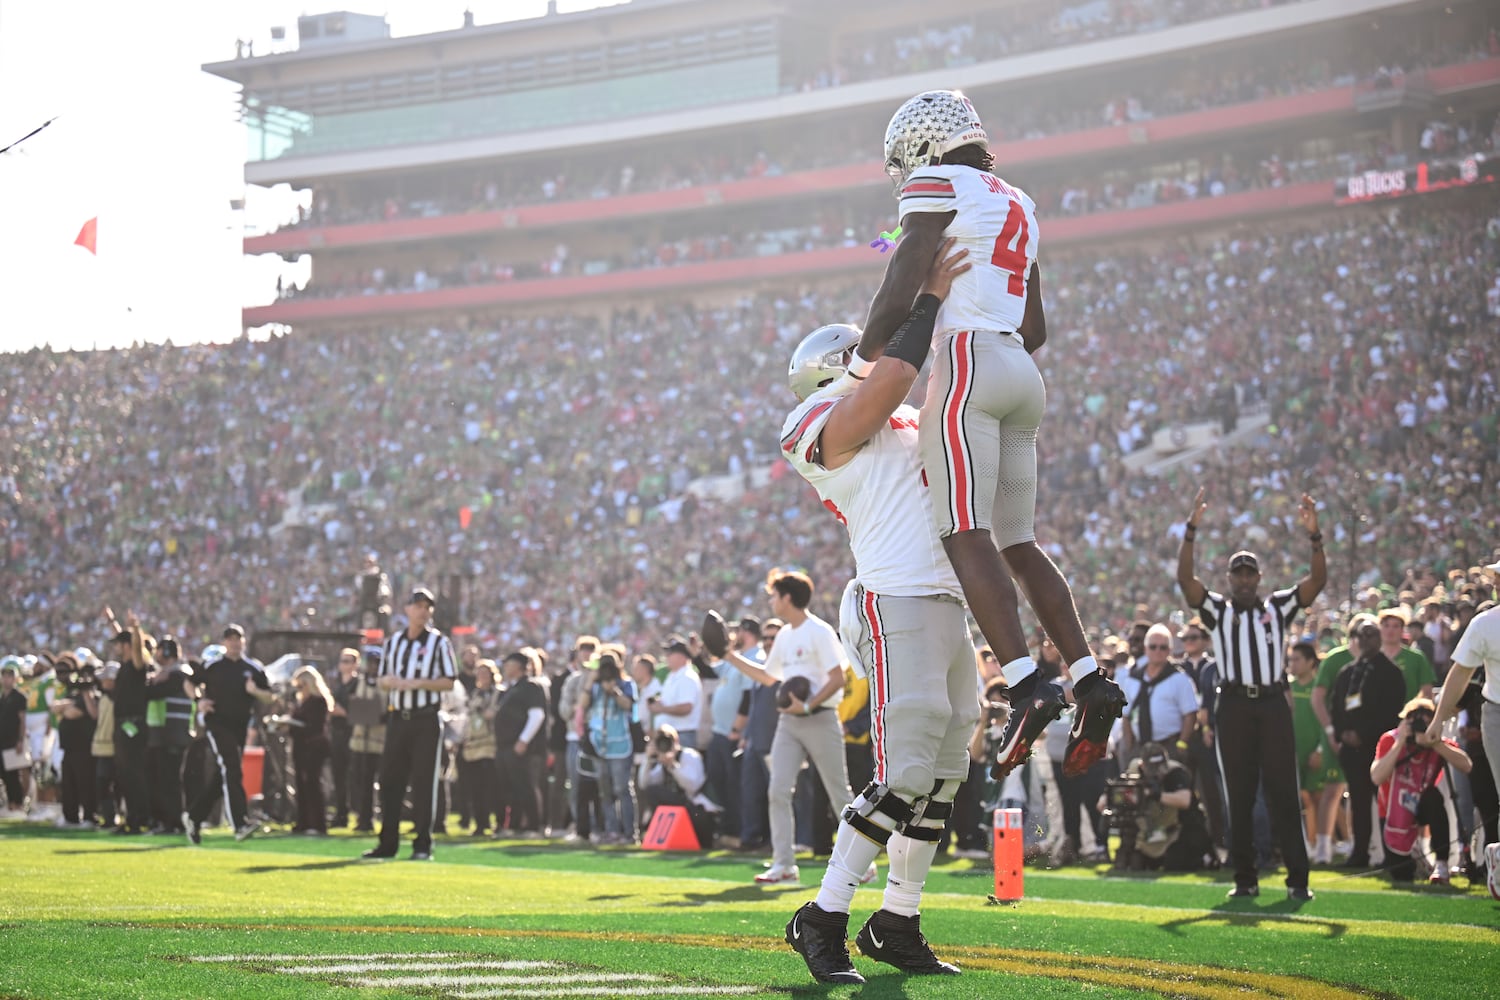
[88, 236]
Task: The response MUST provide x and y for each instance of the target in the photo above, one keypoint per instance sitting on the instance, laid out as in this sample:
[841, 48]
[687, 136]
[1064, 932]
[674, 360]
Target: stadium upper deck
[452, 134]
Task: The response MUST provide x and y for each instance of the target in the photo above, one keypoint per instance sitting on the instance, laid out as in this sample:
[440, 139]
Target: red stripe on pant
[953, 443]
[880, 684]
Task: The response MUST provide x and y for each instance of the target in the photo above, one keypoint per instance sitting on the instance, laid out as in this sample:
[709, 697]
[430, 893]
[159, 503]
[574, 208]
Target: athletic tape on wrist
[858, 366]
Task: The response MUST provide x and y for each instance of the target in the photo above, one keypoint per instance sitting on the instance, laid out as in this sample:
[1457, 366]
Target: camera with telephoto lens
[1125, 795]
[78, 679]
[1418, 719]
[1125, 798]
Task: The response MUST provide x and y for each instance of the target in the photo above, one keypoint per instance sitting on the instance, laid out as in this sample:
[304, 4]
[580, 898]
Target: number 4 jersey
[996, 223]
[880, 495]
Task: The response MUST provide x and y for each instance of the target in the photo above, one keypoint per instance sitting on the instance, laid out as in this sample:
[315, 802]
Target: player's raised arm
[1192, 588]
[1311, 585]
[903, 277]
[864, 411]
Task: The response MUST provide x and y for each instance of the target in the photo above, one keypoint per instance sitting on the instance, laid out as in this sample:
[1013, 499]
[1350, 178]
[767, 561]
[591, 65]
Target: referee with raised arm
[1253, 720]
[416, 667]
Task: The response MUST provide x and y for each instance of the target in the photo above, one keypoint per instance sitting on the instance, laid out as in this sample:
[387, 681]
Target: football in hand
[715, 634]
[798, 687]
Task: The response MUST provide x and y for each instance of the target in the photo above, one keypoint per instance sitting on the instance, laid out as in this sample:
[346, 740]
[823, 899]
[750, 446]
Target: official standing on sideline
[417, 667]
[231, 688]
[1254, 714]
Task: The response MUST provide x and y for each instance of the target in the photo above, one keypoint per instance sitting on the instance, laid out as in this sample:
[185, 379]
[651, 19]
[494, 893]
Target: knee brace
[930, 813]
[877, 812]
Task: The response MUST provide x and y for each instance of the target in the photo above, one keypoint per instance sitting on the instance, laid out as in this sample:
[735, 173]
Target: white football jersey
[997, 224]
[880, 495]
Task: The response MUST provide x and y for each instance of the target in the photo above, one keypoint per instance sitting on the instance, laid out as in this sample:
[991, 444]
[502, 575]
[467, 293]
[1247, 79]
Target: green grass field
[91, 916]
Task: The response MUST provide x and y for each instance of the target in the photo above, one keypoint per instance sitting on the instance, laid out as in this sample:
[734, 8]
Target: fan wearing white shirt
[681, 699]
[809, 648]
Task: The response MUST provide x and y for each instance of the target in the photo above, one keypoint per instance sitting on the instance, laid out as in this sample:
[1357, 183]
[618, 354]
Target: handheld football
[801, 687]
[715, 634]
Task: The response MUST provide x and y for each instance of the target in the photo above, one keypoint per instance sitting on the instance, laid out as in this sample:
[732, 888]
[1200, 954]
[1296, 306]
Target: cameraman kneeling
[1171, 833]
[675, 776]
[1408, 771]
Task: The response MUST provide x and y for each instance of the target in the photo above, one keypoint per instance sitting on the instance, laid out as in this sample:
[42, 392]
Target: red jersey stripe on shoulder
[930, 186]
[789, 443]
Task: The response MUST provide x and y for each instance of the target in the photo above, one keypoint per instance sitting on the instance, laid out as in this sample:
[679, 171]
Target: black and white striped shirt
[1250, 645]
[427, 657]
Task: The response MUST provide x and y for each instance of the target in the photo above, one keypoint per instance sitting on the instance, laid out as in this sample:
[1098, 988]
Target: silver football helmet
[927, 127]
[213, 654]
[821, 358]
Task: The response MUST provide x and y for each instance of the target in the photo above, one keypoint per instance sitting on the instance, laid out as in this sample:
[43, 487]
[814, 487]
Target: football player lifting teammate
[984, 404]
[902, 623]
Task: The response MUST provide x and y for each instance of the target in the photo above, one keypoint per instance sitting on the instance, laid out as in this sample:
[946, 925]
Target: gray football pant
[818, 738]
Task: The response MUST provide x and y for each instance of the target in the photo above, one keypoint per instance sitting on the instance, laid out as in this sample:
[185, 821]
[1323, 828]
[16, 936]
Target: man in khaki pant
[807, 647]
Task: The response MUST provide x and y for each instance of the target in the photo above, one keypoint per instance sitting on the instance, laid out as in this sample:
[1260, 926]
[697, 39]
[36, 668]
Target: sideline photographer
[366, 740]
[1153, 809]
[675, 776]
[1408, 768]
[76, 672]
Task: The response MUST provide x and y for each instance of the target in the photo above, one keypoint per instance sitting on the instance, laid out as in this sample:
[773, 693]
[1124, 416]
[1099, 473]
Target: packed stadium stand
[558, 266]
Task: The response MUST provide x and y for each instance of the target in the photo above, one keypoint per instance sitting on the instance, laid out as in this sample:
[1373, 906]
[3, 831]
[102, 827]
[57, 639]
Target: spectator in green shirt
[1317, 765]
[1415, 666]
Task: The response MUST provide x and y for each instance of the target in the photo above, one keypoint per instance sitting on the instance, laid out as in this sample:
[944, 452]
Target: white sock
[1018, 670]
[910, 861]
[1078, 671]
[852, 854]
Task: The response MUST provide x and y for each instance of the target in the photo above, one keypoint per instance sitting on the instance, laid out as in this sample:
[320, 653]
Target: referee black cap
[1244, 559]
[422, 594]
[230, 630]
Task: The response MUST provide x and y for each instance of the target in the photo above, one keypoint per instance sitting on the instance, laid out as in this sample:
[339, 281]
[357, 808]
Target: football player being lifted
[903, 626]
[985, 400]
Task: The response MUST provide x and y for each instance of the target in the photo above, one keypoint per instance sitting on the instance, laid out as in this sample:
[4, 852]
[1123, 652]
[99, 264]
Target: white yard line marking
[607, 991]
[362, 956]
[582, 977]
[412, 966]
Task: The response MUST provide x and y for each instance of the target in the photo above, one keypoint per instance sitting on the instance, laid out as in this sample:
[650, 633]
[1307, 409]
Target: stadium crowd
[1189, 178]
[212, 483]
[1083, 105]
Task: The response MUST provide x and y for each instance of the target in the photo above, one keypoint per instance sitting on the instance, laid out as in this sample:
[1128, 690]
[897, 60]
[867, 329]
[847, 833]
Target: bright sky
[149, 143]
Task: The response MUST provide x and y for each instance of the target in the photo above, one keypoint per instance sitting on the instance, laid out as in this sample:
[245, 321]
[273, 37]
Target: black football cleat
[1029, 715]
[821, 938]
[897, 940]
[1099, 703]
